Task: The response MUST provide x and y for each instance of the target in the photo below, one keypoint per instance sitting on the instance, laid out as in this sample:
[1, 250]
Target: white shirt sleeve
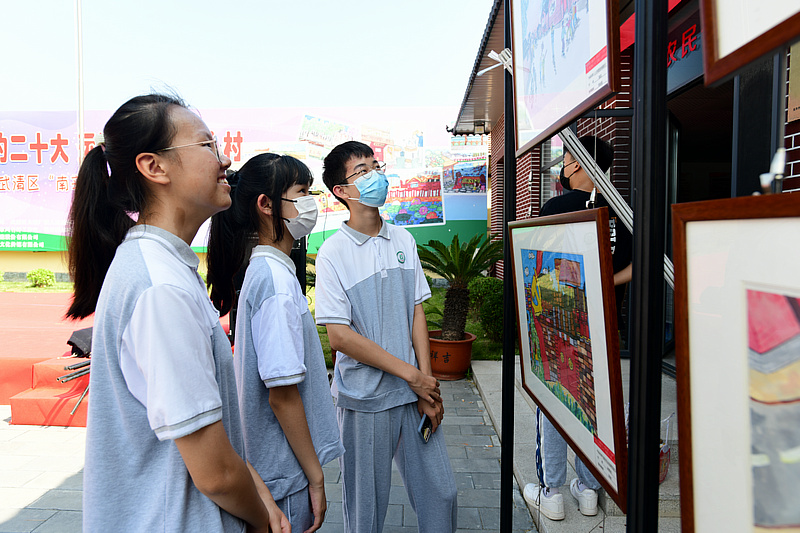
[167, 361]
[421, 289]
[332, 305]
[277, 329]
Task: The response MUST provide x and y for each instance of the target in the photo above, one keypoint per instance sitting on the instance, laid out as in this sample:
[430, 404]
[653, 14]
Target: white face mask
[306, 218]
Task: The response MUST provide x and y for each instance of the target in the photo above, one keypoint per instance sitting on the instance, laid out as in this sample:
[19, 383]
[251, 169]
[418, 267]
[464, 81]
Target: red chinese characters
[59, 143]
[233, 146]
[88, 143]
[16, 148]
[39, 147]
[688, 44]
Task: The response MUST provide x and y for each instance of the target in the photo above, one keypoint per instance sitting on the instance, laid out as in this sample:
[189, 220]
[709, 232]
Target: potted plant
[459, 263]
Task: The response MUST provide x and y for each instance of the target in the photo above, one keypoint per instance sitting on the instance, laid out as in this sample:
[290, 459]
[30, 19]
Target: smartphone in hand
[425, 428]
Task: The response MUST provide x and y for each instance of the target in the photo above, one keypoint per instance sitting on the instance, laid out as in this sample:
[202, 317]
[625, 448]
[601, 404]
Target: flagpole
[79, 47]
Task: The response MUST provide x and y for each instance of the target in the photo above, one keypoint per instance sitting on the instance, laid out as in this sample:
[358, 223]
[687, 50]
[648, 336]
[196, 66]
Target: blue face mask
[373, 188]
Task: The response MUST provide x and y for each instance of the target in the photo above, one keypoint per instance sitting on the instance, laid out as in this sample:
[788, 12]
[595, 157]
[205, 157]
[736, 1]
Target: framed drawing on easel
[569, 345]
[737, 309]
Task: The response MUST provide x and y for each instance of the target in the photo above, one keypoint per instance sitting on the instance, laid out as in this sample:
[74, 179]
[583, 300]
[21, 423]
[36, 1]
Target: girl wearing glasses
[285, 401]
[164, 444]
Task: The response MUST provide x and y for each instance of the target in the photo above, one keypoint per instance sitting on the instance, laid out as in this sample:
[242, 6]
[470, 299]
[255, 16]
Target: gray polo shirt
[277, 345]
[161, 370]
[372, 285]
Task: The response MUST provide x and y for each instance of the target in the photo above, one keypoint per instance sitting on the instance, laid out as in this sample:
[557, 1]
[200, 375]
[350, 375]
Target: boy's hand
[319, 505]
[435, 413]
[426, 387]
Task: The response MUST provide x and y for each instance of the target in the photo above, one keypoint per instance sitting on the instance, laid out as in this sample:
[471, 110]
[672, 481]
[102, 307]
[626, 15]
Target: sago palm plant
[459, 264]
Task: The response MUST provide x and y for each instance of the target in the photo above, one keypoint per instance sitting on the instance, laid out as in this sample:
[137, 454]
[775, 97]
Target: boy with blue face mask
[369, 292]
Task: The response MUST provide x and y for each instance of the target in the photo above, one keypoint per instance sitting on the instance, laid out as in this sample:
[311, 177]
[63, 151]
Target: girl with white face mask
[284, 398]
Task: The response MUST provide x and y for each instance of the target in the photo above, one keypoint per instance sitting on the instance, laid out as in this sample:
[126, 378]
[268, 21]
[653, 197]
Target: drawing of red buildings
[422, 188]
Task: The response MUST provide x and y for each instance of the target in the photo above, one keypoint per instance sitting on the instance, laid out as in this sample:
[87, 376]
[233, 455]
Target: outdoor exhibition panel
[566, 61]
[569, 347]
[738, 32]
[737, 291]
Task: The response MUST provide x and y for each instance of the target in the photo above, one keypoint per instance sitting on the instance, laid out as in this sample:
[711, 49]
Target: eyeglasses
[212, 142]
[380, 168]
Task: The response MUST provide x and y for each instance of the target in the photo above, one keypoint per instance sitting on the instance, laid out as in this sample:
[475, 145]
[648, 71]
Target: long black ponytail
[103, 202]
[233, 232]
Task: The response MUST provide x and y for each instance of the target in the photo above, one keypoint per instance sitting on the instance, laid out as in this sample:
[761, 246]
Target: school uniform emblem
[401, 257]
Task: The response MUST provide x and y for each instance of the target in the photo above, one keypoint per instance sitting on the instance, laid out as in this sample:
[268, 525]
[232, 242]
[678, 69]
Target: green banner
[23, 241]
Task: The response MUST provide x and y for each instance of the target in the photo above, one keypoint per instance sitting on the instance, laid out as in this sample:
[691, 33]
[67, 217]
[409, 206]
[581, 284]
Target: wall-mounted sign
[566, 61]
[737, 32]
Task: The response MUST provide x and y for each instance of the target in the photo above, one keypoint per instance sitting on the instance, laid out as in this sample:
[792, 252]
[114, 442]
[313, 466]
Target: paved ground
[41, 477]
[487, 376]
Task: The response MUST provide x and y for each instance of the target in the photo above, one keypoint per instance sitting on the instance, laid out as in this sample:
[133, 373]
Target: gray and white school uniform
[277, 344]
[372, 284]
[161, 370]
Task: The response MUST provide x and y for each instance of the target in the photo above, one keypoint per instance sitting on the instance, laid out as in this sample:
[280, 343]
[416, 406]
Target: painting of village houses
[415, 200]
[558, 321]
[467, 176]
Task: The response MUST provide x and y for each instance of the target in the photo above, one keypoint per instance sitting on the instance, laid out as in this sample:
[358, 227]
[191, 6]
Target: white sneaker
[552, 504]
[587, 498]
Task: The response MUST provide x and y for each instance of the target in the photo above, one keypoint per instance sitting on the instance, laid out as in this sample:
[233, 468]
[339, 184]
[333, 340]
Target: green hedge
[41, 277]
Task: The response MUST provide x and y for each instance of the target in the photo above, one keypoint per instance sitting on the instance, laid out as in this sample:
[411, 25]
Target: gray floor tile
[486, 481]
[479, 498]
[490, 518]
[24, 520]
[62, 522]
[394, 515]
[464, 480]
[482, 452]
[475, 465]
[65, 500]
[469, 518]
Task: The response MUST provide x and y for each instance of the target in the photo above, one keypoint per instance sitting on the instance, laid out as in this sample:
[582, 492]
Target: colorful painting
[560, 344]
[568, 338]
[562, 64]
[773, 321]
[737, 350]
[468, 177]
[326, 133]
[416, 200]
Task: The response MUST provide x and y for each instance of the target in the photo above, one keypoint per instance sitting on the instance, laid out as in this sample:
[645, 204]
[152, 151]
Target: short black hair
[335, 163]
[604, 155]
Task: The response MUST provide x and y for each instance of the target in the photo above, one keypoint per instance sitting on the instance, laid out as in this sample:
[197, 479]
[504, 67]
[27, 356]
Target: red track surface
[33, 329]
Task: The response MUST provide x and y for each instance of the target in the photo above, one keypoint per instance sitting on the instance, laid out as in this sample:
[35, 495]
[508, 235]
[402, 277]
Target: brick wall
[792, 144]
[497, 147]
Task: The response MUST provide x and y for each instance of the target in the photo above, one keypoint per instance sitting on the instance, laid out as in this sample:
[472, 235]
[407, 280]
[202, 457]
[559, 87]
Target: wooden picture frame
[564, 66]
[732, 258]
[569, 343]
[731, 41]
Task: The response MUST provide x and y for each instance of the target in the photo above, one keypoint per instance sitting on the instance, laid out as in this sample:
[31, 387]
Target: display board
[566, 61]
[737, 32]
[569, 344]
[437, 185]
[737, 309]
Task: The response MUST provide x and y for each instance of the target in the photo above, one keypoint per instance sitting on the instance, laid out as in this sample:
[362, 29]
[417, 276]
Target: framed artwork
[737, 318]
[737, 32]
[569, 344]
[566, 61]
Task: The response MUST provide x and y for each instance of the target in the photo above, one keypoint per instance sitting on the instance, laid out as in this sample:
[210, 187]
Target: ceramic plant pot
[450, 360]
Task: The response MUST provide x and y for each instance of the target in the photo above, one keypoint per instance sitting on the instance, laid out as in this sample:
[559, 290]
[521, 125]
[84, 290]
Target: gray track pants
[370, 441]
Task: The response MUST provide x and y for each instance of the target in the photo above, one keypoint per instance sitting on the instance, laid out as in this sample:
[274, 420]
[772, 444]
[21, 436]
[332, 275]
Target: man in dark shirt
[579, 189]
